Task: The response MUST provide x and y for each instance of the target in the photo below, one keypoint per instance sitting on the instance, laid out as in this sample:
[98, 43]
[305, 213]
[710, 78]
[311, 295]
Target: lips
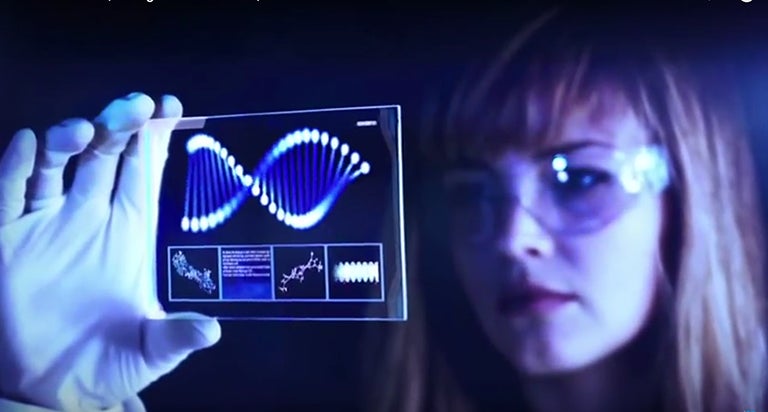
[533, 299]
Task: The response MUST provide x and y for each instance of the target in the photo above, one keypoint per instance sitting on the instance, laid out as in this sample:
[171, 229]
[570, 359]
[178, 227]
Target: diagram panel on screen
[285, 215]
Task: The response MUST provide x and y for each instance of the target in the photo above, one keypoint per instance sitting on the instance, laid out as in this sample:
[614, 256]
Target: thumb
[169, 341]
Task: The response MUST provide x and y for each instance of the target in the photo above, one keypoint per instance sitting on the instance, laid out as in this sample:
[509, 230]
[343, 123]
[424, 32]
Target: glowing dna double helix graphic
[298, 180]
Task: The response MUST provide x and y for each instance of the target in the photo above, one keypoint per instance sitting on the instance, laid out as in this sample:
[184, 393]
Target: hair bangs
[522, 101]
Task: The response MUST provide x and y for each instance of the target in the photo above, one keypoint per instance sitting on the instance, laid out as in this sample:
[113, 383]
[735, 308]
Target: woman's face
[554, 302]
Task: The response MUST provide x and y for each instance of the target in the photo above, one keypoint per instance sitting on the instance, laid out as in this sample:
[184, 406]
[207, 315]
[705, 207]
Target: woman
[603, 231]
[603, 228]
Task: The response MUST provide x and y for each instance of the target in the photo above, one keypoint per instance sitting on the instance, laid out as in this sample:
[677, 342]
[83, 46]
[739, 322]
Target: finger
[168, 342]
[61, 143]
[144, 158]
[97, 166]
[15, 168]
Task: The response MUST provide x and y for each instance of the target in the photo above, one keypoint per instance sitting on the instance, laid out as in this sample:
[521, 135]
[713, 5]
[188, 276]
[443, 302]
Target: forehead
[606, 122]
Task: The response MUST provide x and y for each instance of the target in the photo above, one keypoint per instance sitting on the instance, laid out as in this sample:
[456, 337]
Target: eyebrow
[465, 175]
[569, 147]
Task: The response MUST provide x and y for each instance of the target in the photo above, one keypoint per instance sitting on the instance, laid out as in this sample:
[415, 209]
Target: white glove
[81, 326]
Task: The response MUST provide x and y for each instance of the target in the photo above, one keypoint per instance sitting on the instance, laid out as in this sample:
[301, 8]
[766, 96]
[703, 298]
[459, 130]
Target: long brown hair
[713, 253]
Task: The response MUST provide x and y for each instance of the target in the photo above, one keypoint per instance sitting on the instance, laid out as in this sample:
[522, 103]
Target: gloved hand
[81, 327]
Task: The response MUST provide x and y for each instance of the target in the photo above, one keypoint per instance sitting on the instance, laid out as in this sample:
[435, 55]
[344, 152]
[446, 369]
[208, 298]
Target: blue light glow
[297, 181]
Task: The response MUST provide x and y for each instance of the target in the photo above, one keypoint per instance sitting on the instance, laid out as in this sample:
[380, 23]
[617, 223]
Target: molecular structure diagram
[297, 273]
[183, 268]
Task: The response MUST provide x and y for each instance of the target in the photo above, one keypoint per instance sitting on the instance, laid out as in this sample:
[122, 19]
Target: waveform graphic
[298, 181]
[356, 272]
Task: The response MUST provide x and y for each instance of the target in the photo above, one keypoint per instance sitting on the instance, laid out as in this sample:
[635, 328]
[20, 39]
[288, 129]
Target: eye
[578, 179]
[470, 188]
[576, 182]
[472, 197]
[467, 194]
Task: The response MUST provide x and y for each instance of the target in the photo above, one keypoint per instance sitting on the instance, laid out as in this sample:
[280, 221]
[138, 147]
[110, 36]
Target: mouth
[530, 299]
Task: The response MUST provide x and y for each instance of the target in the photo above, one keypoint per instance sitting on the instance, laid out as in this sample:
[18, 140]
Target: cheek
[619, 269]
[477, 273]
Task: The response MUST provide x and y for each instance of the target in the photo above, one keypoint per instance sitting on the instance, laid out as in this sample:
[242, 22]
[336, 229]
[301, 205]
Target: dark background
[70, 58]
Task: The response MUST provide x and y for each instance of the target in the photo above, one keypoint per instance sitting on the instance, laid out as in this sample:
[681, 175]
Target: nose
[523, 236]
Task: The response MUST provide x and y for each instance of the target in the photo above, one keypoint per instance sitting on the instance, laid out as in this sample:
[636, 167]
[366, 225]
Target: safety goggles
[572, 193]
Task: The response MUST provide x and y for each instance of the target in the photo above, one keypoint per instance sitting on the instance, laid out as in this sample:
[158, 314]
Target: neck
[626, 381]
[601, 388]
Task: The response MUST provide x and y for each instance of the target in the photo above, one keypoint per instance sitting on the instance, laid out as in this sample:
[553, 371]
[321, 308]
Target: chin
[536, 358]
[536, 366]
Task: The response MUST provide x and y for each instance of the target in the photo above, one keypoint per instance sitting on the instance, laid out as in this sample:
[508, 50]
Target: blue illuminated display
[297, 181]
